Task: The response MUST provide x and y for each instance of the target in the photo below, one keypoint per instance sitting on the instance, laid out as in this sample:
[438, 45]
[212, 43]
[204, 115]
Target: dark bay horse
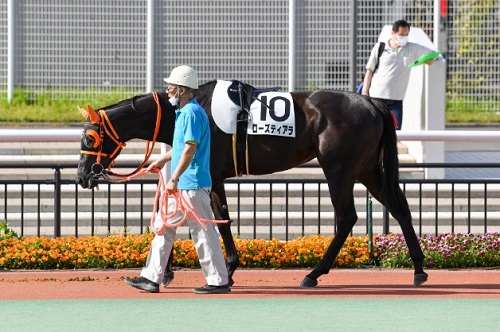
[352, 136]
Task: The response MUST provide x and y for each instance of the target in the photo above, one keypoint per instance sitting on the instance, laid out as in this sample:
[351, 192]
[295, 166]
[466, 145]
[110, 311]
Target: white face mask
[401, 40]
[174, 101]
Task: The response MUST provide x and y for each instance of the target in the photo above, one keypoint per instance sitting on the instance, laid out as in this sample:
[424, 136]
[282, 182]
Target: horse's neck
[139, 120]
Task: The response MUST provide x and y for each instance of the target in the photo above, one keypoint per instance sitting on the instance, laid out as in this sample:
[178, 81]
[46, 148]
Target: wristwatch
[174, 180]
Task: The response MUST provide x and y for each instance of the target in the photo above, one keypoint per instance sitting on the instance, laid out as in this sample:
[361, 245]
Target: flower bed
[443, 251]
[119, 251]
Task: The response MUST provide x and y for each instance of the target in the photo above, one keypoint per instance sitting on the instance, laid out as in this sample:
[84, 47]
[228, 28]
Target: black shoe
[209, 289]
[167, 278]
[144, 284]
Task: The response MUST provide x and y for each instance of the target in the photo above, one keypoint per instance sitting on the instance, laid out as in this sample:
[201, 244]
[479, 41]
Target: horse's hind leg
[397, 204]
[221, 212]
[341, 193]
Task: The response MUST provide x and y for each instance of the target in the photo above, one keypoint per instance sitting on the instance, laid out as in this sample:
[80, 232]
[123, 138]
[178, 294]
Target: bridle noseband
[100, 128]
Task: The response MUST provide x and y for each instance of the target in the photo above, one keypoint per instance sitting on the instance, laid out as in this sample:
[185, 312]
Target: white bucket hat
[183, 75]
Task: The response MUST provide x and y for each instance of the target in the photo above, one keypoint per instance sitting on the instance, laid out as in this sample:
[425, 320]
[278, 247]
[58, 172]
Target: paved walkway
[473, 157]
[472, 152]
[261, 300]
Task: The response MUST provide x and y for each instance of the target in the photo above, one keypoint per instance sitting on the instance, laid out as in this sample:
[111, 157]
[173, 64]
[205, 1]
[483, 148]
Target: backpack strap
[381, 48]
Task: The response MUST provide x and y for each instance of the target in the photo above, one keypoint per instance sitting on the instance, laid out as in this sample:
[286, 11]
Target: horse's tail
[389, 151]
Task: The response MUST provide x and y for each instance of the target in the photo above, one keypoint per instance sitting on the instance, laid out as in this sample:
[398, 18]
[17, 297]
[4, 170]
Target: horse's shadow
[371, 290]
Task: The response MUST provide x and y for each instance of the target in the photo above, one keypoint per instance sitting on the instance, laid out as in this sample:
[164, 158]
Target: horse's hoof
[308, 283]
[419, 279]
[167, 278]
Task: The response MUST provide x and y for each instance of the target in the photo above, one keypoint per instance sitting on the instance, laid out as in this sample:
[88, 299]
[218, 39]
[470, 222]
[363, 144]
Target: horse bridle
[97, 126]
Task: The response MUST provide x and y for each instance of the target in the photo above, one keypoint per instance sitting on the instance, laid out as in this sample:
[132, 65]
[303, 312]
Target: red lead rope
[161, 205]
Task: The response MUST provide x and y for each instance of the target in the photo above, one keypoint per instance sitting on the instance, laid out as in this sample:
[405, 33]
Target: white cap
[183, 75]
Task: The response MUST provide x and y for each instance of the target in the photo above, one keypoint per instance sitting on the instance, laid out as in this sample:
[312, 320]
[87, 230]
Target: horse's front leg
[221, 212]
[345, 224]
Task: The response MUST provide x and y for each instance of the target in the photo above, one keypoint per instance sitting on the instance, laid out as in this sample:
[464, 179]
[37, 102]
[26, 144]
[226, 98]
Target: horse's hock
[46, 152]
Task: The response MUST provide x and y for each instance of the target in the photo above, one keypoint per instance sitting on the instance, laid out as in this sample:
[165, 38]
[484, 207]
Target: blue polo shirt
[191, 125]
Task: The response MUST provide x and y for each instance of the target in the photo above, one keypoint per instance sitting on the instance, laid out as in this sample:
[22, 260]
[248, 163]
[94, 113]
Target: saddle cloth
[273, 115]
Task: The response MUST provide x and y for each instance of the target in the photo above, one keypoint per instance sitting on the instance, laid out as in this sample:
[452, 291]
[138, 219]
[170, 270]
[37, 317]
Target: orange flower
[131, 251]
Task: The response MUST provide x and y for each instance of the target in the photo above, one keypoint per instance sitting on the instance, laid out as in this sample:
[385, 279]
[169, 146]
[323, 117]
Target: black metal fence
[260, 208]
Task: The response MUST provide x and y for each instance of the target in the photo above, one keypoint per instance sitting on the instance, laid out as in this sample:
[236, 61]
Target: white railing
[74, 134]
[449, 135]
[41, 135]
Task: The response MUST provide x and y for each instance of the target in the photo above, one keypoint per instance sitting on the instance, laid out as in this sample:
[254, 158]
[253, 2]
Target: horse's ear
[84, 113]
[94, 117]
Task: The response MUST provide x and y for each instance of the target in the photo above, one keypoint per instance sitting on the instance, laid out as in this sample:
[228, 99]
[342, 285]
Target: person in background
[190, 165]
[389, 81]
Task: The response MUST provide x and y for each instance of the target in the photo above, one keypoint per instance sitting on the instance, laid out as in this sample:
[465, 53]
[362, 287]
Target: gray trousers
[206, 242]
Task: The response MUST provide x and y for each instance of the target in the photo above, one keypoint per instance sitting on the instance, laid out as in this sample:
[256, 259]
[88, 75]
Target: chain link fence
[66, 49]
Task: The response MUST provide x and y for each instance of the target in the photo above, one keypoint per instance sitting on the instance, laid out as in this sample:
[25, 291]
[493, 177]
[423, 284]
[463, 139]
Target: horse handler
[190, 162]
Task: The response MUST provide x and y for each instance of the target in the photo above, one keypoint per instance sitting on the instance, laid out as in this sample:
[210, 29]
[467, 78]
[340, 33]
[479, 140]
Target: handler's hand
[171, 186]
[156, 164]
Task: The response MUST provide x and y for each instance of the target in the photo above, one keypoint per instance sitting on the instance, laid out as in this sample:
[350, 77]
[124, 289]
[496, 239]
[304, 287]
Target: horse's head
[100, 145]
[149, 117]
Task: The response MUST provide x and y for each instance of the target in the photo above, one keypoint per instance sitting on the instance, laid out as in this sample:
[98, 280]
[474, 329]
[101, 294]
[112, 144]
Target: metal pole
[10, 49]
[437, 23]
[354, 43]
[57, 202]
[386, 221]
[291, 45]
[370, 225]
[150, 47]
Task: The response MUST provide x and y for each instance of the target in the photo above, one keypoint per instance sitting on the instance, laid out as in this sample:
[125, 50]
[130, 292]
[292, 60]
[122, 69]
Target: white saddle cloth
[274, 114]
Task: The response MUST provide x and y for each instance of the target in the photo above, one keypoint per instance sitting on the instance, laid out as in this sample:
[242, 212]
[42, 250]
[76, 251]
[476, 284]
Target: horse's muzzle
[89, 184]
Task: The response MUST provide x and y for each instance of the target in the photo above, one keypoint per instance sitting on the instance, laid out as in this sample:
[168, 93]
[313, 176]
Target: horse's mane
[130, 101]
[204, 94]
[125, 102]
[208, 85]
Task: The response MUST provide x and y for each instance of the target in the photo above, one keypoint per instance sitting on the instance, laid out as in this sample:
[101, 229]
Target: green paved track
[292, 314]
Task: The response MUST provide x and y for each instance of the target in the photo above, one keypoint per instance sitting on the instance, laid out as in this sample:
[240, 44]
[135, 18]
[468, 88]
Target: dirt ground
[371, 282]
